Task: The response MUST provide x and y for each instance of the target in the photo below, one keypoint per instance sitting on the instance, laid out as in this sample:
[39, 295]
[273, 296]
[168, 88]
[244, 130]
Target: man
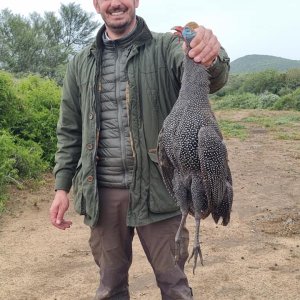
[116, 95]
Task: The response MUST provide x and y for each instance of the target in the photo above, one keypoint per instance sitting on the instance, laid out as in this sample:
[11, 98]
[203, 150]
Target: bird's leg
[196, 248]
[181, 196]
[178, 236]
[198, 199]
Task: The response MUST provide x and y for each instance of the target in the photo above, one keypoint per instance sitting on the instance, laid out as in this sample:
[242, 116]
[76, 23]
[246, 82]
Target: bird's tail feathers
[224, 209]
[214, 168]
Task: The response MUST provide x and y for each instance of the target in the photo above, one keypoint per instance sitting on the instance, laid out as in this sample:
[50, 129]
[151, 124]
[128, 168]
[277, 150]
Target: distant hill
[256, 63]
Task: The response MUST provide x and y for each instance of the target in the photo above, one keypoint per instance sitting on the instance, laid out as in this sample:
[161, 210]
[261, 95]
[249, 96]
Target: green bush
[237, 101]
[8, 101]
[284, 91]
[289, 102]
[37, 121]
[267, 100]
[29, 110]
[19, 160]
[233, 86]
[40, 93]
[269, 80]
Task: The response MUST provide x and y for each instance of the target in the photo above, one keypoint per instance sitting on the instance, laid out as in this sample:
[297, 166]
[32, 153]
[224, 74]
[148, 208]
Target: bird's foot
[196, 252]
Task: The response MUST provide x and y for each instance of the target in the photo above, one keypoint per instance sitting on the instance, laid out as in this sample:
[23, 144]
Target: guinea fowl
[192, 155]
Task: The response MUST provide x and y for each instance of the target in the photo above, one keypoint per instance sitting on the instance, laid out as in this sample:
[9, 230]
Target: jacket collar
[141, 35]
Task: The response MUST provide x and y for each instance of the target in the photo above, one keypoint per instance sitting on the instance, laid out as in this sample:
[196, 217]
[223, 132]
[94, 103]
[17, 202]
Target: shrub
[289, 101]
[37, 121]
[19, 159]
[267, 99]
[8, 100]
[284, 91]
[268, 80]
[237, 101]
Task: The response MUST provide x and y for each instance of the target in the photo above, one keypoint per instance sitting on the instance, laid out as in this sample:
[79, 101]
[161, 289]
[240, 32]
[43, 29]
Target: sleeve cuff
[63, 182]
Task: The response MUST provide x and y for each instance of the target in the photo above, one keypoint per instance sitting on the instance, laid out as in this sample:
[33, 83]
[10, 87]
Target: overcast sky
[243, 27]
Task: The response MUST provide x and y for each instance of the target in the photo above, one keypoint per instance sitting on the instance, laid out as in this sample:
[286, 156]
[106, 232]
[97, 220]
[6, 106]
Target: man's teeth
[117, 13]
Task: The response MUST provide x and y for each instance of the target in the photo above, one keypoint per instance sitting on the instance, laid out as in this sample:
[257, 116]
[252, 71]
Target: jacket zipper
[120, 118]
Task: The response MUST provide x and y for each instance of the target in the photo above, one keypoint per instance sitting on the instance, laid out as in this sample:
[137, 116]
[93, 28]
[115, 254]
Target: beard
[119, 25]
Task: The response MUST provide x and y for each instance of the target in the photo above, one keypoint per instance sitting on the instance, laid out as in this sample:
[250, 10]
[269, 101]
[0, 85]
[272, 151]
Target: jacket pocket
[160, 201]
[77, 190]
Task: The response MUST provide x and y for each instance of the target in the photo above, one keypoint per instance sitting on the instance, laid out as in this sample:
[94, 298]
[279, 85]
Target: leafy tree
[17, 42]
[77, 26]
[293, 78]
[43, 44]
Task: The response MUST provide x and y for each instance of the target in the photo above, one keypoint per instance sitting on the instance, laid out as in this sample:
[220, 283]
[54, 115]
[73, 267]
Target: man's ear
[137, 3]
[96, 5]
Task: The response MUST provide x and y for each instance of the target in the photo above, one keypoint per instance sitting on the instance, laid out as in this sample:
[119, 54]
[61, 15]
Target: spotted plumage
[192, 155]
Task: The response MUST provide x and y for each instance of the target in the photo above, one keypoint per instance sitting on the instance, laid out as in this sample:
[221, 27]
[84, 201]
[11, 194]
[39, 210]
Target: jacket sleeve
[69, 133]
[219, 71]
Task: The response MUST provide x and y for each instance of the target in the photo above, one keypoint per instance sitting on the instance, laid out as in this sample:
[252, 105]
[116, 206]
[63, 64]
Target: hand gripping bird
[192, 155]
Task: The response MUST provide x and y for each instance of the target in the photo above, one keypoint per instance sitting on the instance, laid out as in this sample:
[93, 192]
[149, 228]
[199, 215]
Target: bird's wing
[214, 166]
[166, 166]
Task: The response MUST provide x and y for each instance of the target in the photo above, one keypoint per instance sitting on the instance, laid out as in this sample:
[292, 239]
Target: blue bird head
[188, 34]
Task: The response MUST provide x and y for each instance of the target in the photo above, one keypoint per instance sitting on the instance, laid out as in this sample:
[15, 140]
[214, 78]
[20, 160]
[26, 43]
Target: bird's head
[187, 33]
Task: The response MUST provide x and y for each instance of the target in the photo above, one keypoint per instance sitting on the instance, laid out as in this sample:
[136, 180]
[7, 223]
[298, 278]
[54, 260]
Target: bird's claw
[196, 252]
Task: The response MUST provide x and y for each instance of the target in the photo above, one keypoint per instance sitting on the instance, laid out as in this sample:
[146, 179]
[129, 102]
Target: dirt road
[256, 257]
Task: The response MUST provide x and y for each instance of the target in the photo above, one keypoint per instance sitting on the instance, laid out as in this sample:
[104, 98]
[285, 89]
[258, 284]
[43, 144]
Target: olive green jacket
[154, 69]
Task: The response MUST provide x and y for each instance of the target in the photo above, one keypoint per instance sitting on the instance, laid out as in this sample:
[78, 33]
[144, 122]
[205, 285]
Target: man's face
[118, 15]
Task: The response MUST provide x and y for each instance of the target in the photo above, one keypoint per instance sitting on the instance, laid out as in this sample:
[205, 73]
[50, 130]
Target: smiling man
[119, 16]
[117, 93]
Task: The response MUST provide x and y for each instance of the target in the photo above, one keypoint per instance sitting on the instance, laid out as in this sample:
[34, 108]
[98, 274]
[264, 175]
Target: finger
[60, 215]
[210, 52]
[63, 225]
[200, 34]
[201, 39]
[205, 47]
[53, 214]
[207, 40]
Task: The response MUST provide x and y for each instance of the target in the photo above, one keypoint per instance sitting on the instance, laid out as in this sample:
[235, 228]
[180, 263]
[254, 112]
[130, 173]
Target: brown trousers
[111, 244]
